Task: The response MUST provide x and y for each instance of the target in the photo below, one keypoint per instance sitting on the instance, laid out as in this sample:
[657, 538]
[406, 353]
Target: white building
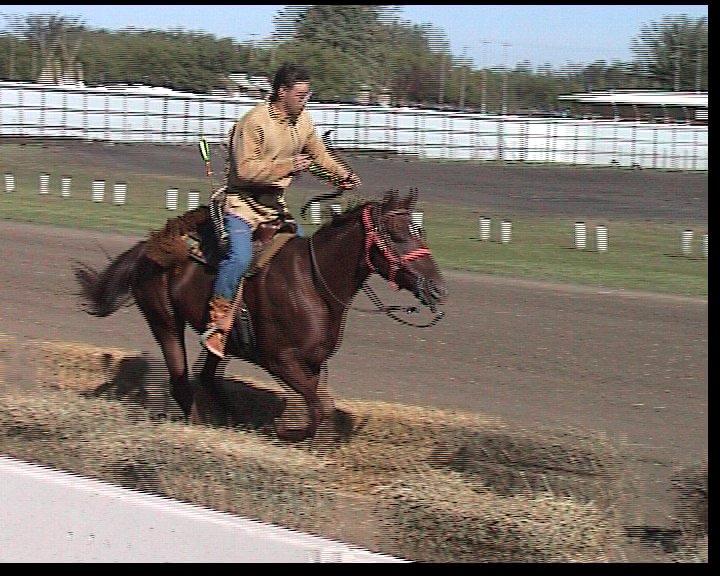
[691, 107]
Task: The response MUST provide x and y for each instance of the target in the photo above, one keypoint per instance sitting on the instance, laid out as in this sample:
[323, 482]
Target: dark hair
[286, 76]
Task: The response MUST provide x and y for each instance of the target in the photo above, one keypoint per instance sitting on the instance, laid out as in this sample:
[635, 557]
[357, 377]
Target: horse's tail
[106, 292]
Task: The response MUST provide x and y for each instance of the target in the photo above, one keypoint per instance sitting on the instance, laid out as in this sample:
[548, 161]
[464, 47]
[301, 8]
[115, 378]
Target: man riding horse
[266, 148]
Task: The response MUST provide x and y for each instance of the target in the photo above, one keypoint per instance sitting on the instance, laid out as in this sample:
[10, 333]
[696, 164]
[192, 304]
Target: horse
[297, 302]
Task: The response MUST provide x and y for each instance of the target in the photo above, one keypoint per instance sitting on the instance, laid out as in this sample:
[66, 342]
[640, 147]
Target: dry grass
[691, 512]
[424, 484]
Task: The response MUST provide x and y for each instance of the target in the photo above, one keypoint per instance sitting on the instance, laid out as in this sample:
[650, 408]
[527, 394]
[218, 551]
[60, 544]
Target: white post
[65, 184]
[119, 193]
[315, 213]
[601, 238]
[193, 199]
[171, 198]
[686, 239]
[98, 190]
[44, 183]
[9, 182]
[580, 235]
[505, 231]
[704, 246]
[417, 221]
[484, 228]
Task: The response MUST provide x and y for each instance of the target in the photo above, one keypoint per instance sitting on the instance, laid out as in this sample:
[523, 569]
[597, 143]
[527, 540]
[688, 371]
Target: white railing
[165, 117]
[48, 515]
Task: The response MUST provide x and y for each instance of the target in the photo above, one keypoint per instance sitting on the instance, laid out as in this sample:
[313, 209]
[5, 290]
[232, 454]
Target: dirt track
[631, 364]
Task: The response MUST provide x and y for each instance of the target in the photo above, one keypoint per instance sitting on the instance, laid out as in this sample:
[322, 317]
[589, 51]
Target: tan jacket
[260, 160]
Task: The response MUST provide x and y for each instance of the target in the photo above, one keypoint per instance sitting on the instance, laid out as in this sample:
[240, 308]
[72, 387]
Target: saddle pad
[268, 251]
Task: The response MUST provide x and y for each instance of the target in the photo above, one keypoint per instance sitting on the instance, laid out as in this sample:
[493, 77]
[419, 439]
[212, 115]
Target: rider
[266, 147]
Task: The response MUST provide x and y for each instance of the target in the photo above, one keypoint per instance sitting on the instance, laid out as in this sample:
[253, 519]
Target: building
[647, 105]
[381, 96]
[241, 84]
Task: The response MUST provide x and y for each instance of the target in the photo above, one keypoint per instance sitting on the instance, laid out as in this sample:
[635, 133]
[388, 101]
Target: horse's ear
[390, 202]
[409, 201]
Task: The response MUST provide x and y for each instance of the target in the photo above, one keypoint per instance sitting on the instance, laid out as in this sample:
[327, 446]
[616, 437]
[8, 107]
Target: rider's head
[291, 88]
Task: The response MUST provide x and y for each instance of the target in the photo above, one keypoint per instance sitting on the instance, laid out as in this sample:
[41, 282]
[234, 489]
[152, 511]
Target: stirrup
[205, 335]
[213, 347]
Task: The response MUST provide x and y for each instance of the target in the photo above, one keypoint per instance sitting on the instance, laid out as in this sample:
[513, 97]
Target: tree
[673, 52]
[55, 41]
[354, 36]
[329, 66]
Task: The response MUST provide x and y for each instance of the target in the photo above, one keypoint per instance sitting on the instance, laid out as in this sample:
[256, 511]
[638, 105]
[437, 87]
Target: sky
[489, 35]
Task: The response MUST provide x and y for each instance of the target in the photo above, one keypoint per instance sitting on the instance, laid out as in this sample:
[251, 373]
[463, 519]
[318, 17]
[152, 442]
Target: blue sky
[492, 35]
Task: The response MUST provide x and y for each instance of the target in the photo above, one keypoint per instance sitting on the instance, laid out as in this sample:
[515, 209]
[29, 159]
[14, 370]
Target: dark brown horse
[297, 303]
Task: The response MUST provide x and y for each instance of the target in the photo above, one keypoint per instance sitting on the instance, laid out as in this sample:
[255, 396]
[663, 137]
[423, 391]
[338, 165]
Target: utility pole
[505, 79]
[251, 54]
[483, 87]
[462, 78]
[676, 56]
[698, 69]
[441, 90]
[11, 63]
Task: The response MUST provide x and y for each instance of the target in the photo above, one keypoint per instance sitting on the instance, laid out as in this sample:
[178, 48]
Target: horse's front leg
[305, 380]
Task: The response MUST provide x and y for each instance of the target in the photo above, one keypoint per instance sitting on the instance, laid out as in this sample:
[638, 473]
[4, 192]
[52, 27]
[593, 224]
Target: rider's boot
[219, 323]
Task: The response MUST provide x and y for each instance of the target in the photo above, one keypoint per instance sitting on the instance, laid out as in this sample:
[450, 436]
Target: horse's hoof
[291, 434]
[207, 415]
[159, 417]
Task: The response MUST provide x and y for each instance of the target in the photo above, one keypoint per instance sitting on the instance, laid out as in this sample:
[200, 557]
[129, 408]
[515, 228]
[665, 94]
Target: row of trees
[346, 47]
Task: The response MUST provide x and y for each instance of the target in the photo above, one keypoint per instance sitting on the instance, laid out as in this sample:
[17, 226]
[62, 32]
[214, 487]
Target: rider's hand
[350, 181]
[301, 162]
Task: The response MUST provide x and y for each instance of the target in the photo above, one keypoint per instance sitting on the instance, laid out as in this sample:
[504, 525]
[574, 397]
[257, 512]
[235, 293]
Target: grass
[642, 255]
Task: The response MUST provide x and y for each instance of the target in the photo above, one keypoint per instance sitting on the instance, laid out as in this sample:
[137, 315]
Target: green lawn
[641, 255]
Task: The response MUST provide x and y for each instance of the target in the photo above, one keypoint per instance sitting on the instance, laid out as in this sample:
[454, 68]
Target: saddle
[268, 238]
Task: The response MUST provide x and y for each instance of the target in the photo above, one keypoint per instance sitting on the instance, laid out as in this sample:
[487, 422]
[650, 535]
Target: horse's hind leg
[172, 343]
[169, 333]
[208, 405]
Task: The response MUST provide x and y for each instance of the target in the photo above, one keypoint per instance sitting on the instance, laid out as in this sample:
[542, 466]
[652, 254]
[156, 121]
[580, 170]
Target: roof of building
[648, 97]
[246, 82]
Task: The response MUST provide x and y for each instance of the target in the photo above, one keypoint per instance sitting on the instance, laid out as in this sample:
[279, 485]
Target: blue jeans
[237, 257]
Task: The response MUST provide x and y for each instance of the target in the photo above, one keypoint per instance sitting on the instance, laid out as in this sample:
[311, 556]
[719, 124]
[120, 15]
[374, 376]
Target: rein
[373, 235]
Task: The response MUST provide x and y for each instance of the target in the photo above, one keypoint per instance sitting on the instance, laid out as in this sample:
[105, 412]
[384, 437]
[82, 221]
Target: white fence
[137, 114]
[47, 515]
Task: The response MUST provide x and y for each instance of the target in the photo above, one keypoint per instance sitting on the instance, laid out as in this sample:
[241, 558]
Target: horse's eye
[398, 230]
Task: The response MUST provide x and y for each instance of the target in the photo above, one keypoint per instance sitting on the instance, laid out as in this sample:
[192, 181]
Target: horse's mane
[349, 213]
[168, 246]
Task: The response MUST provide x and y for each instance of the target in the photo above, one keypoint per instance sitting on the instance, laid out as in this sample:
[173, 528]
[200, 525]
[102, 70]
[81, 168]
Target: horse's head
[395, 247]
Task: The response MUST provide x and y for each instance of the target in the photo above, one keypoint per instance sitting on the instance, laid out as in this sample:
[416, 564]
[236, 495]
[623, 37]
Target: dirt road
[631, 364]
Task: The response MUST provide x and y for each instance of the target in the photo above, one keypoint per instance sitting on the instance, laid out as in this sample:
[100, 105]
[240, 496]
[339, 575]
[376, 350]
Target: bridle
[375, 235]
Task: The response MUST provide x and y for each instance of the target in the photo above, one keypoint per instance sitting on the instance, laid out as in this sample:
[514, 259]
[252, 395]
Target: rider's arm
[315, 147]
